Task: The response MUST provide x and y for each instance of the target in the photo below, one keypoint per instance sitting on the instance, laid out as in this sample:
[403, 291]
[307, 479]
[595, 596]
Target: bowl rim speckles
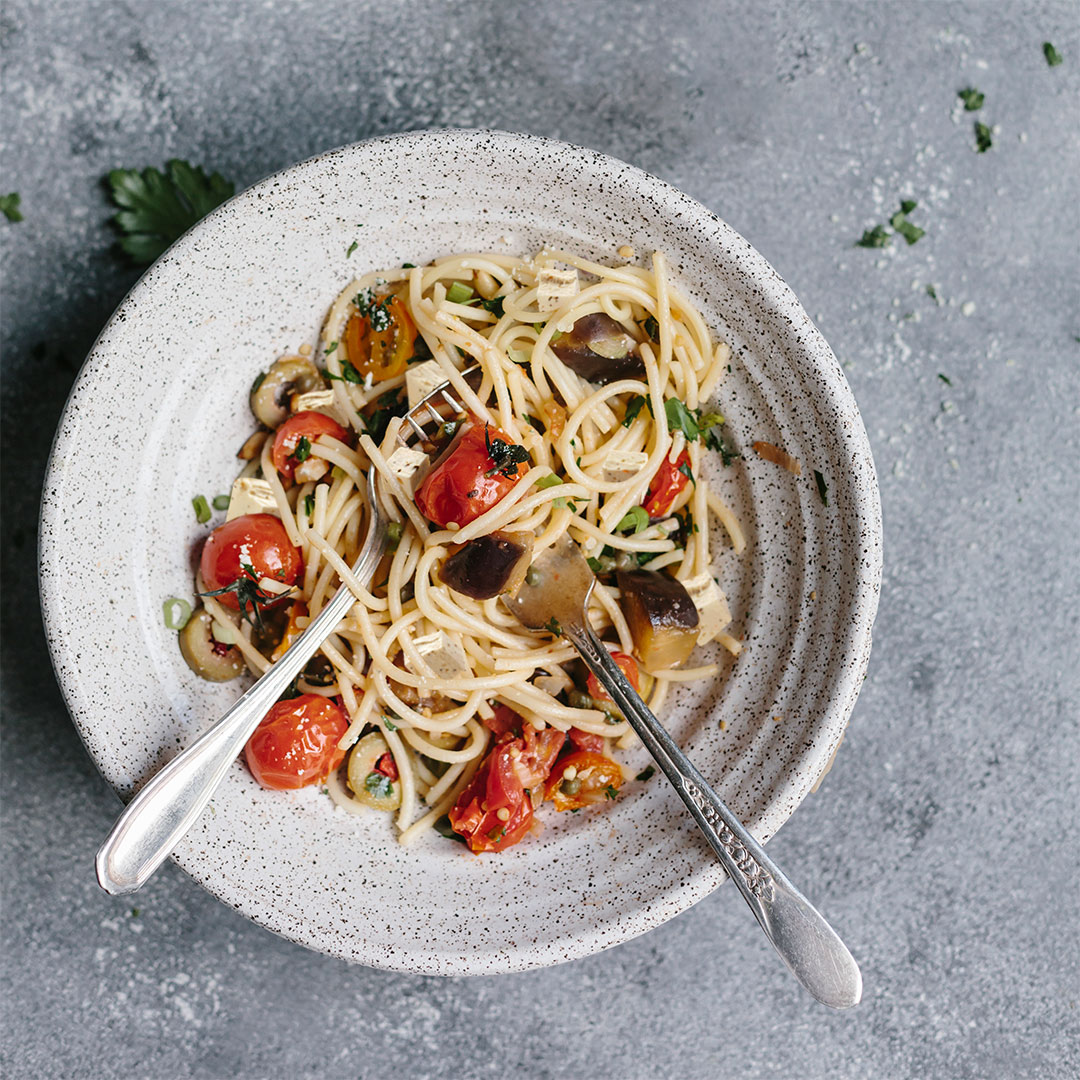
[159, 408]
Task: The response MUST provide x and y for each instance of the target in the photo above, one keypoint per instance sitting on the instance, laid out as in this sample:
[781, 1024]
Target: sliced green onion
[636, 518]
[394, 531]
[176, 612]
[221, 502]
[202, 509]
[548, 481]
[459, 293]
[338, 473]
[226, 635]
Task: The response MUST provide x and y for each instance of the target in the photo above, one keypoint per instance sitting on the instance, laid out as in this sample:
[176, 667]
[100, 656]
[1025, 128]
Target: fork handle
[805, 941]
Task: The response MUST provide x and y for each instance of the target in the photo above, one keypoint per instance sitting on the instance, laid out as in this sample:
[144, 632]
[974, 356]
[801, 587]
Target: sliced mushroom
[661, 615]
[489, 565]
[600, 350]
[207, 657]
[372, 774]
[272, 394]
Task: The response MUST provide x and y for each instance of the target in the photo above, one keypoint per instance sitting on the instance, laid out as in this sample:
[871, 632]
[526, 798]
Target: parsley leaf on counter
[1053, 57]
[945, 379]
[972, 99]
[910, 232]
[983, 137]
[157, 208]
[822, 488]
[9, 206]
[877, 237]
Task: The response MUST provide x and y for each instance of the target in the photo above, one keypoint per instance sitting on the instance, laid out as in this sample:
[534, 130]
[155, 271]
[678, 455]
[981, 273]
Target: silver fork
[169, 804]
[562, 584]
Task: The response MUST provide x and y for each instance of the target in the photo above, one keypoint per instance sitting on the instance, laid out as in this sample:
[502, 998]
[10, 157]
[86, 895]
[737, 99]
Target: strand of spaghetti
[728, 520]
[337, 453]
[617, 540]
[337, 658]
[406, 775]
[443, 806]
[701, 537]
[443, 783]
[359, 719]
[285, 511]
[721, 359]
[347, 577]
[676, 675]
[254, 658]
[394, 487]
[475, 745]
[603, 594]
[732, 644]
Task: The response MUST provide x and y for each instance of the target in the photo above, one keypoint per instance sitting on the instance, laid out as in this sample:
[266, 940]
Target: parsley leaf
[506, 456]
[646, 774]
[910, 232]
[680, 418]
[9, 206]
[309, 504]
[633, 407]
[877, 237]
[157, 208]
[652, 328]
[972, 99]
[494, 305]
[983, 137]
[303, 448]
[379, 785]
[945, 379]
[611, 791]
[348, 372]
[553, 626]
[352, 247]
[822, 488]
[1053, 57]
[685, 469]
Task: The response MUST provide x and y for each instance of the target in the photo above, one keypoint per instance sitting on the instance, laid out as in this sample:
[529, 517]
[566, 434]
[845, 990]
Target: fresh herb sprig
[9, 206]
[251, 598]
[506, 456]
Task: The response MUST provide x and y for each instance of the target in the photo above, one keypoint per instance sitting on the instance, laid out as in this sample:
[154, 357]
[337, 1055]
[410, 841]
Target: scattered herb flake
[945, 379]
[646, 774]
[684, 468]
[680, 418]
[348, 374]
[611, 791]
[1053, 57]
[822, 488]
[652, 328]
[984, 137]
[494, 305]
[506, 456]
[553, 626]
[9, 206]
[877, 237]
[351, 248]
[379, 785]
[633, 407]
[157, 208]
[932, 293]
[303, 449]
[332, 347]
[309, 503]
[972, 99]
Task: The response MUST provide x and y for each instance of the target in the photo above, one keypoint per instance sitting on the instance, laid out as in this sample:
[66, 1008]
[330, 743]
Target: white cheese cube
[623, 464]
[421, 379]
[319, 401]
[553, 286]
[712, 606]
[444, 656]
[405, 463]
[251, 496]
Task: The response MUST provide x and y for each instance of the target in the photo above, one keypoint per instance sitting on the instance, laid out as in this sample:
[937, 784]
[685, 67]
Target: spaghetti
[589, 419]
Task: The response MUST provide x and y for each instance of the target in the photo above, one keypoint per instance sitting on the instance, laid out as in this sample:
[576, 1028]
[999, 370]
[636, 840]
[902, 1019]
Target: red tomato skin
[666, 486]
[494, 787]
[595, 770]
[457, 489]
[585, 740]
[256, 540]
[295, 744]
[532, 761]
[504, 722]
[629, 669]
[309, 425]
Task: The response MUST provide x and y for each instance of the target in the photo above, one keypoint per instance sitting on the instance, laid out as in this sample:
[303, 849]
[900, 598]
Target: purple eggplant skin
[489, 565]
[600, 350]
[661, 615]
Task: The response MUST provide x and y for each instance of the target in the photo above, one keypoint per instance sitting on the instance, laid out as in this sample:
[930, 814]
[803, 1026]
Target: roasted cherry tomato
[586, 740]
[387, 766]
[383, 352]
[533, 759]
[582, 779]
[629, 668]
[504, 721]
[253, 544]
[302, 425]
[296, 743]
[493, 812]
[467, 482]
[667, 485]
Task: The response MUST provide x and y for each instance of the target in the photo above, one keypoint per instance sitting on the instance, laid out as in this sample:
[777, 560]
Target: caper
[570, 787]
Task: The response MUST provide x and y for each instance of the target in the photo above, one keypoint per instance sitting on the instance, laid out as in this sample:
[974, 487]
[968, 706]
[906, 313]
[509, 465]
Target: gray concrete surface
[945, 843]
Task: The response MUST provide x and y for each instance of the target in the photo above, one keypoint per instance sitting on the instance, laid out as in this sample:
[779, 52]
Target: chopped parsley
[533, 422]
[9, 206]
[680, 418]
[348, 373]
[375, 309]
[646, 774]
[945, 379]
[877, 237]
[652, 328]
[332, 347]
[984, 137]
[309, 504]
[444, 828]
[633, 407]
[684, 468]
[611, 791]
[822, 488]
[221, 502]
[494, 305]
[202, 509]
[506, 456]
[157, 208]
[972, 99]
[389, 724]
[634, 520]
[378, 785]
[932, 293]
[387, 406]
[1053, 57]
[910, 232]
[352, 247]
[303, 448]
[553, 626]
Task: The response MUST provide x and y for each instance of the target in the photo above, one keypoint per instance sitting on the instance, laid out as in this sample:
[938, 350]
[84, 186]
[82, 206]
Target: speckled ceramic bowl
[161, 406]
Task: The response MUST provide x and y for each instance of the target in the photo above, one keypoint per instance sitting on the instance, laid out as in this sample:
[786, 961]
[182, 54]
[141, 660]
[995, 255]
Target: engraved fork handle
[805, 941]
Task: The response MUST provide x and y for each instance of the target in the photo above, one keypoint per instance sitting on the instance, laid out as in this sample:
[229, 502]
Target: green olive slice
[208, 658]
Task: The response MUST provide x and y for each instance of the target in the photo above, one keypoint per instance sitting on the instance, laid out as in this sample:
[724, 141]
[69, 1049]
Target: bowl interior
[161, 407]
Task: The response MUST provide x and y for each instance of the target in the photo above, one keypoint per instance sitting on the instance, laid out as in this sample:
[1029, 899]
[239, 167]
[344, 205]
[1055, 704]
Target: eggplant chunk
[489, 565]
[600, 350]
[661, 615]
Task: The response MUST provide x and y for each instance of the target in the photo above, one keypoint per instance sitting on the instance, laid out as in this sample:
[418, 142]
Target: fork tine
[434, 414]
[415, 426]
[452, 402]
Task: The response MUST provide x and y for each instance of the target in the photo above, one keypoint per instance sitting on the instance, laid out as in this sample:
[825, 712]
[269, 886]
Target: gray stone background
[944, 844]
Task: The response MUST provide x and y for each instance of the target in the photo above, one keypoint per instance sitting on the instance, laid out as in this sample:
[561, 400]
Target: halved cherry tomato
[504, 721]
[251, 543]
[533, 759]
[667, 485]
[296, 743]
[629, 669]
[302, 425]
[383, 353]
[467, 482]
[592, 779]
[495, 787]
[586, 740]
